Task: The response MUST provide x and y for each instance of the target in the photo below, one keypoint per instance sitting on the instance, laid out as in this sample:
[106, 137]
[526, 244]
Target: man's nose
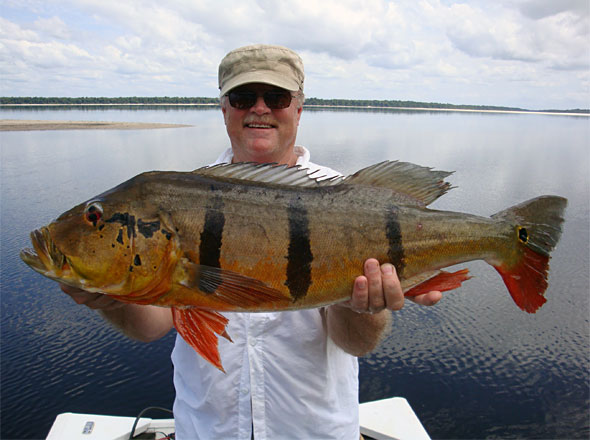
[260, 106]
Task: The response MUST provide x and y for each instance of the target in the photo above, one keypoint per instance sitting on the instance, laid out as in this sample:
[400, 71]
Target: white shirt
[285, 377]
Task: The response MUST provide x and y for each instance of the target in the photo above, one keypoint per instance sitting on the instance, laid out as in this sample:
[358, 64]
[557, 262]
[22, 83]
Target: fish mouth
[45, 257]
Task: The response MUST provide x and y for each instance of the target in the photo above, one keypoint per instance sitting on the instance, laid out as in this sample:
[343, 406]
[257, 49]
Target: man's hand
[144, 323]
[95, 301]
[374, 295]
[380, 289]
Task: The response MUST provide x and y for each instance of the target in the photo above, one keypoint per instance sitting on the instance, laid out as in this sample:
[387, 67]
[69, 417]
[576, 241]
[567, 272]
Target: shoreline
[30, 125]
[441, 109]
[315, 106]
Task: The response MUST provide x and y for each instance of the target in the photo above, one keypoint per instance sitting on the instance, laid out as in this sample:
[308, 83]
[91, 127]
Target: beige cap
[261, 63]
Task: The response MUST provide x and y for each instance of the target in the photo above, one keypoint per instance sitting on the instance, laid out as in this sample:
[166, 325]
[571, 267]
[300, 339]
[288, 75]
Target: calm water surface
[474, 366]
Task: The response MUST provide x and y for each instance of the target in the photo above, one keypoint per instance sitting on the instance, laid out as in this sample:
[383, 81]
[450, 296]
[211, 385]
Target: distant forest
[103, 100]
[315, 102]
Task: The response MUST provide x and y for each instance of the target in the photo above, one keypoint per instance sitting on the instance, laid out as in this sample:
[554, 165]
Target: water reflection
[474, 366]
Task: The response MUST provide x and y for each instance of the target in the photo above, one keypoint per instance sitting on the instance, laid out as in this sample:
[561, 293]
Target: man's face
[259, 133]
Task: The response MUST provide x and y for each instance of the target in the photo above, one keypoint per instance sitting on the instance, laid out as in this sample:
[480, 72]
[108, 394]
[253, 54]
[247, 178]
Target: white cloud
[479, 34]
[12, 31]
[53, 27]
[538, 9]
[23, 46]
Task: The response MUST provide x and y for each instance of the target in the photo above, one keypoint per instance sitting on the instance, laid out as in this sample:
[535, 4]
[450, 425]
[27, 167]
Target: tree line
[399, 104]
[104, 100]
[316, 102]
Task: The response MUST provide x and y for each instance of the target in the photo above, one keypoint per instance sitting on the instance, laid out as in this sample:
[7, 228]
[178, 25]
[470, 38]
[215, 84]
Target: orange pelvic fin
[442, 282]
[199, 328]
[527, 280]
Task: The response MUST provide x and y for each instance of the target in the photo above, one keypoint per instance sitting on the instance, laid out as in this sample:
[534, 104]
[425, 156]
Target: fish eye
[93, 212]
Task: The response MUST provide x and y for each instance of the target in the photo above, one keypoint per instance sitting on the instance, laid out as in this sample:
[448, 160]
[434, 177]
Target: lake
[474, 366]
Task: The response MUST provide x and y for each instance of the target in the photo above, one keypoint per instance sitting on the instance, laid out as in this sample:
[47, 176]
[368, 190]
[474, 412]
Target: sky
[532, 54]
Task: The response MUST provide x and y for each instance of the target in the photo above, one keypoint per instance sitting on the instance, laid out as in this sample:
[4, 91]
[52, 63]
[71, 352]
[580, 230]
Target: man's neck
[289, 158]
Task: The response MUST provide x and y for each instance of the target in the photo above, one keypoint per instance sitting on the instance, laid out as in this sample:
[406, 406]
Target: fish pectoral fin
[199, 328]
[230, 287]
[434, 280]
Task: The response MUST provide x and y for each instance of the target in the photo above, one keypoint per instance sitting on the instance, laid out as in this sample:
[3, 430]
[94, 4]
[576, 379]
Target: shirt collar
[302, 153]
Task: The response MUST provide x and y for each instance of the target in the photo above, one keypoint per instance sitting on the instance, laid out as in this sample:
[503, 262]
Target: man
[289, 374]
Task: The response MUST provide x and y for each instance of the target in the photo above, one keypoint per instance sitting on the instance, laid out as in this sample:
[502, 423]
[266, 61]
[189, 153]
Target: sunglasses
[274, 99]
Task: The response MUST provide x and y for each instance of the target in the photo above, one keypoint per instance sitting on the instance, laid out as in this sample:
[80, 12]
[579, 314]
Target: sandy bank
[26, 125]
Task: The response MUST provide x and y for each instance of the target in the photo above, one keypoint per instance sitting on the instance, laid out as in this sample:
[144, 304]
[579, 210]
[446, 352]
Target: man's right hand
[95, 301]
[144, 323]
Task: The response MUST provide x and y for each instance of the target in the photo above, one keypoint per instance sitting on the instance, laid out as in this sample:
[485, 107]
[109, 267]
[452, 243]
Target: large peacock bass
[259, 237]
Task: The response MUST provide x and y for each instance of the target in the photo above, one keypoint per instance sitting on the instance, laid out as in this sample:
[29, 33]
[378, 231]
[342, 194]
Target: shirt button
[253, 342]
[245, 390]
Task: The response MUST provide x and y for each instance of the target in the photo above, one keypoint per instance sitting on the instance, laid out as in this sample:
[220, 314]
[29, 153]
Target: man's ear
[223, 111]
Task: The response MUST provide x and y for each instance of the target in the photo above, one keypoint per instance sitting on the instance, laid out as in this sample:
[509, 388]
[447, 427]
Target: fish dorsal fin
[410, 183]
[271, 174]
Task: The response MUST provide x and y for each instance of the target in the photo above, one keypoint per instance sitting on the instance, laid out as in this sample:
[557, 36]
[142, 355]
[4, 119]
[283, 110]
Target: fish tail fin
[199, 328]
[536, 228]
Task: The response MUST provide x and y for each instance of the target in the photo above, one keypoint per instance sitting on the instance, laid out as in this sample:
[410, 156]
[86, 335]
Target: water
[474, 366]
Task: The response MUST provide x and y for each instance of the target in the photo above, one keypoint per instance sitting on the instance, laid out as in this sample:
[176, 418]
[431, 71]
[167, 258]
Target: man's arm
[358, 325]
[144, 323]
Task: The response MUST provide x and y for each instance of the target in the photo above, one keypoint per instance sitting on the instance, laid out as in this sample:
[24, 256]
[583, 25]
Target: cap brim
[262, 77]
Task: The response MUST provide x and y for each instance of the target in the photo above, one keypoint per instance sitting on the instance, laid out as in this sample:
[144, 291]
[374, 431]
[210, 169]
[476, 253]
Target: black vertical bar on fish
[210, 245]
[299, 257]
[394, 237]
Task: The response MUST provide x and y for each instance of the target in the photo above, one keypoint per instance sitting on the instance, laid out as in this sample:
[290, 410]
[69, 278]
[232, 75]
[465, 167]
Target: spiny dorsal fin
[410, 183]
[269, 173]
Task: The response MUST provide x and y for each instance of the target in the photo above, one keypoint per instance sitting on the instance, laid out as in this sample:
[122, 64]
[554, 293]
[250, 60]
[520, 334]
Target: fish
[249, 237]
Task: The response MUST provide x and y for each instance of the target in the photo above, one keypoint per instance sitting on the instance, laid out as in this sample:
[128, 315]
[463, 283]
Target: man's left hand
[379, 288]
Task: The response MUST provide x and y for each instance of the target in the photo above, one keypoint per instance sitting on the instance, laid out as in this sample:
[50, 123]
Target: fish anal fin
[527, 280]
[200, 328]
[441, 281]
[231, 289]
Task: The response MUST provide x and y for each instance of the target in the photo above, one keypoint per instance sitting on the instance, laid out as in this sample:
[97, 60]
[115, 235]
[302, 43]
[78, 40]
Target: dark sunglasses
[274, 99]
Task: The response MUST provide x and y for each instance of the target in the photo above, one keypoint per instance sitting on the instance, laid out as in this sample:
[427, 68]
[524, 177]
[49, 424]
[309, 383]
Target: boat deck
[388, 419]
